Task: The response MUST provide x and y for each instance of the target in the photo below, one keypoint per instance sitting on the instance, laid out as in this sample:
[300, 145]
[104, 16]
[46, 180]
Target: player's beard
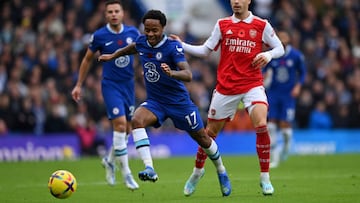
[115, 24]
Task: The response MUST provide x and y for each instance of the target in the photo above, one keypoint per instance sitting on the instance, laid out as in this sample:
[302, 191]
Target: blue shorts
[119, 98]
[281, 107]
[184, 116]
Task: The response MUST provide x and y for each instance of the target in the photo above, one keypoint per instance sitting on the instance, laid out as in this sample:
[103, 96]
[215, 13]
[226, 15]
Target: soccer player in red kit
[240, 38]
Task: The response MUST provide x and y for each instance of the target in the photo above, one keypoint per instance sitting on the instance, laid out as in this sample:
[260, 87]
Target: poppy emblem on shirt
[120, 42]
[252, 33]
[241, 33]
[150, 55]
[282, 62]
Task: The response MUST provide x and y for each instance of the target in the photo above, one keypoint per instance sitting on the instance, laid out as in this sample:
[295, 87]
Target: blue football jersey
[106, 41]
[159, 86]
[287, 71]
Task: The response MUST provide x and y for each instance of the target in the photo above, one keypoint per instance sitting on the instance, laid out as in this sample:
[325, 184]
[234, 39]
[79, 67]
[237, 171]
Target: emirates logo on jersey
[252, 33]
[240, 45]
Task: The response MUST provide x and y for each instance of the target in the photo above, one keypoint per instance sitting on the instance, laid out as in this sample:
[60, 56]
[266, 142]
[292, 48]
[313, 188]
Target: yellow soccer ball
[62, 184]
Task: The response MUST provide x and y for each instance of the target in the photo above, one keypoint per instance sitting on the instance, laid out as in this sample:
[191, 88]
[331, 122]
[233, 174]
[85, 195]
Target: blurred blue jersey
[159, 86]
[118, 84]
[287, 71]
[106, 41]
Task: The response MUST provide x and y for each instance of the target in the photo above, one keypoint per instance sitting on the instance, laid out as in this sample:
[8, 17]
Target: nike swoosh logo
[195, 126]
[179, 49]
[140, 53]
[108, 43]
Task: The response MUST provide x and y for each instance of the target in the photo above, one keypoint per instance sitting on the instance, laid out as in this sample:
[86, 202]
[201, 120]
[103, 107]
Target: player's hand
[166, 68]
[261, 59]
[295, 92]
[105, 57]
[76, 93]
[175, 37]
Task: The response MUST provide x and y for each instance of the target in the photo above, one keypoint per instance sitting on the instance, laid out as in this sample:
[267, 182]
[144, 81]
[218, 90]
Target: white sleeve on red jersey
[270, 38]
[197, 50]
[209, 45]
[215, 37]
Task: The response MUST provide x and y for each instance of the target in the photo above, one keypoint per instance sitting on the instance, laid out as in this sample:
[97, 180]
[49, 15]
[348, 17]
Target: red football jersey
[240, 41]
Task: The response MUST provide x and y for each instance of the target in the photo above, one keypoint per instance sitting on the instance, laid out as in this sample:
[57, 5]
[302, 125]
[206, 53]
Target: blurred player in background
[283, 80]
[117, 86]
[239, 79]
[165, 71]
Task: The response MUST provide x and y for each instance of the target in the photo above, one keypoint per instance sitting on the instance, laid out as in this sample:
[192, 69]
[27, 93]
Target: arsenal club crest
[252, 33]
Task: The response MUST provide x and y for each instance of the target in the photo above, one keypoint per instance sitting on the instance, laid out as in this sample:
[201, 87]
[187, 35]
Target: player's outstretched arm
[196, 50]
[128, 50]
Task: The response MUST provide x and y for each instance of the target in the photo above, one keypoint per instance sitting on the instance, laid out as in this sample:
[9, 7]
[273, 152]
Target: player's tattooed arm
[128, 50]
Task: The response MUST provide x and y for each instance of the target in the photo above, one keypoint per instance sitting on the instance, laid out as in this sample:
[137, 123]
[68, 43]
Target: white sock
[265, 177]
[110, 156]
[287, 132]
[197, 170]
[120, 150]
[214, 155]
[272, 129]
[274, 151]
[142, 145]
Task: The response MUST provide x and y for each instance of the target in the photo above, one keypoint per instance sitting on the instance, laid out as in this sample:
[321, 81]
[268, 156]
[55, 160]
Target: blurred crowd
[42, 43]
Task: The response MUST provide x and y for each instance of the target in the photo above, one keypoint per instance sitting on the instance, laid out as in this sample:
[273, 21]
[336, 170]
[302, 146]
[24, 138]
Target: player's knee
[260, 123]
[211, 133]
[136, 123]
[201, 138]
[119, 127]
[204, 141]
[119, 124]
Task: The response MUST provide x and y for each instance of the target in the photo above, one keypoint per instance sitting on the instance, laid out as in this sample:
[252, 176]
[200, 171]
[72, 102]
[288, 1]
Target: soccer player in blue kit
[284, 77]
[165, 69]
[117, 86]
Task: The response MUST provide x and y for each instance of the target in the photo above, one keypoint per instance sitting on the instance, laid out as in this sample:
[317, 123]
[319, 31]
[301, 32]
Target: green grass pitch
[317, 179]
